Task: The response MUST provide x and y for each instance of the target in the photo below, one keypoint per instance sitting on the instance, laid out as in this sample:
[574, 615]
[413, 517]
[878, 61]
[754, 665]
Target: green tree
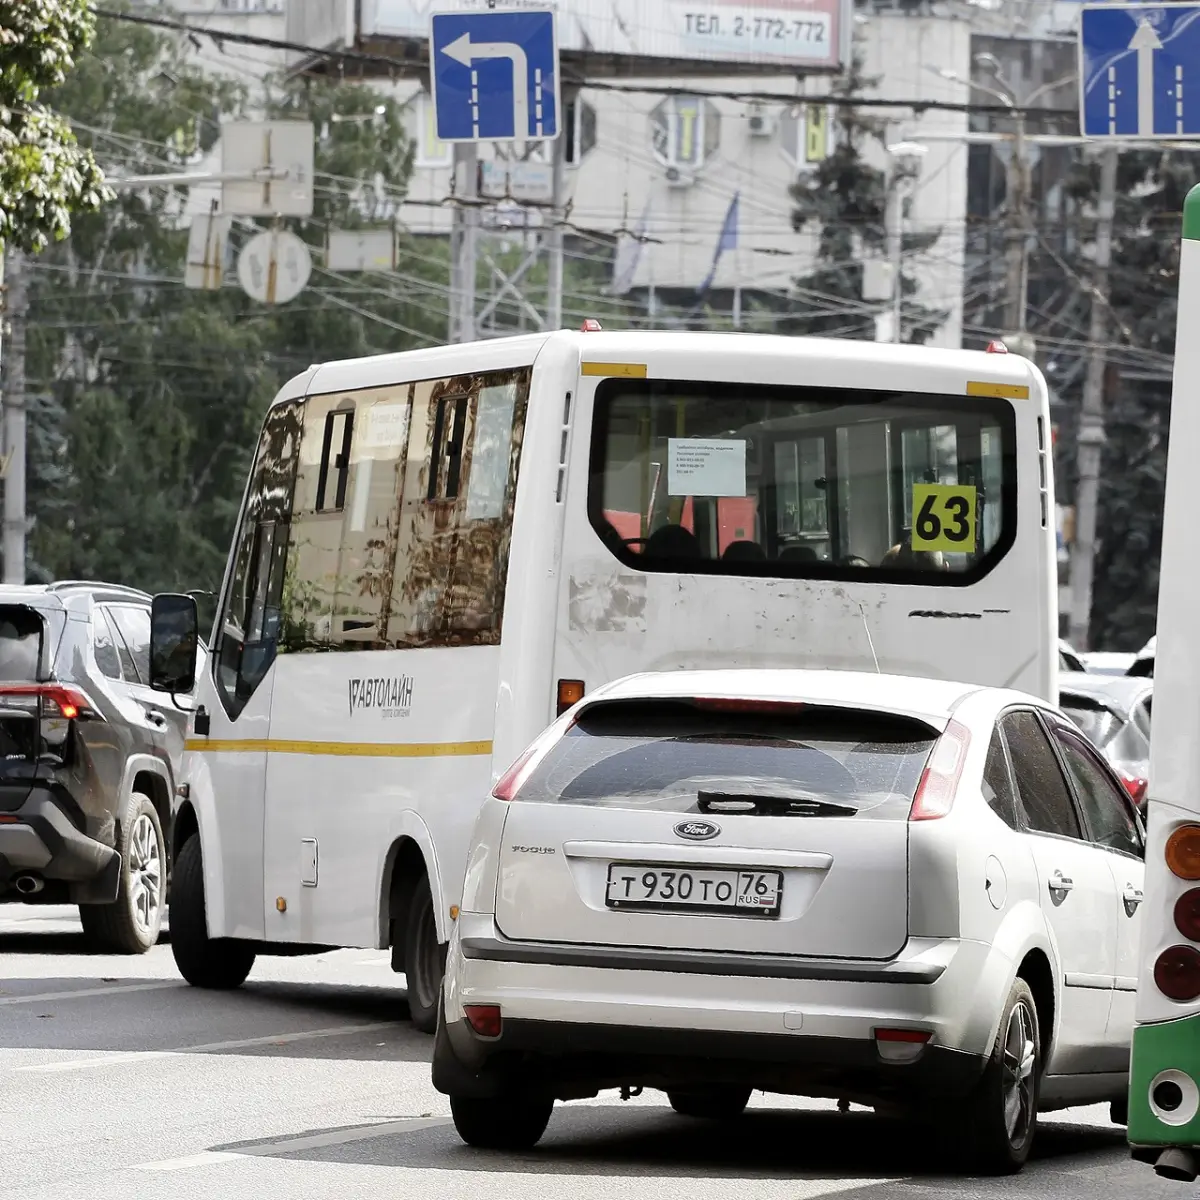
[1143, 292]
[845, 198]
[149, 396]
[45, 175]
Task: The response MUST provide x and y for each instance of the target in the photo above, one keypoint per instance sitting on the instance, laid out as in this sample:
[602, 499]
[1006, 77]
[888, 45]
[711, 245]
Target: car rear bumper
[40, 839]
[645, 1017]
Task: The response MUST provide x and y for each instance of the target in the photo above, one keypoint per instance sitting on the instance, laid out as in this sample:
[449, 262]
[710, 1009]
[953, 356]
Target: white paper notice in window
[706, 467]
[487, 487]
[387, 428]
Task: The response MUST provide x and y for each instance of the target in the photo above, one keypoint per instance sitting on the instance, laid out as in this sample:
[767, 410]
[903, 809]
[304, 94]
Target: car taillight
[1136, 786]
[52, 700]
[939, 780]
[1177, 973]
[511, 782]
[1183, 852]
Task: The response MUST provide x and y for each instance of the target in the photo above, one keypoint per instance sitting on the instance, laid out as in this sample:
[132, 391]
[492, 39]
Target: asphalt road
[117, 1080]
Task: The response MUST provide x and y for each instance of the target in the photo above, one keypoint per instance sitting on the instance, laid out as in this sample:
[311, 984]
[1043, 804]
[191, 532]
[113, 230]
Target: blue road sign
[495, 75]
[1139, 70]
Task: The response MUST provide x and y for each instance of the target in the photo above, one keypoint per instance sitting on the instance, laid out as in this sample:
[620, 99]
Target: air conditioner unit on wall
[679, 177]
[760, 123]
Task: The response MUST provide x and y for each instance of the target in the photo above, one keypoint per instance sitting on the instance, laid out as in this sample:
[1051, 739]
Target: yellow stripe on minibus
[623, 370]
[1003, 391]
[339, 749]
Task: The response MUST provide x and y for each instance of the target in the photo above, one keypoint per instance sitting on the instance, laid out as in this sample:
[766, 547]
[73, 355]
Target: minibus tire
[424, 958]
[984, 1140]
[510, 1121]
[217, 964]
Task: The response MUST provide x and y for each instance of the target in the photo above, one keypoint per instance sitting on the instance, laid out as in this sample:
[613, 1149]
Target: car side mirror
[174, 635]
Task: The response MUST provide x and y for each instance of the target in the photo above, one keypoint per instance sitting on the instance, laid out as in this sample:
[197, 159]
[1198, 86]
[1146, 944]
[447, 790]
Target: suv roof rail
[96, 585]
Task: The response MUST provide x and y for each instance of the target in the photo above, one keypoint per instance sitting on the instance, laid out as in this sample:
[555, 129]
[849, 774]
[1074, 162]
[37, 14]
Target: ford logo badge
[697, 831]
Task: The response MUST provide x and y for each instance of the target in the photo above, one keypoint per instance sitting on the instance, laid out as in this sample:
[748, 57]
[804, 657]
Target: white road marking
[203, 1159]
[294, 1145]
[120, 1058]
[83, 993]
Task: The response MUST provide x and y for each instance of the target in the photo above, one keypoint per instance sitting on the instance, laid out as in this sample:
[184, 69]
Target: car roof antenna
[862, 612]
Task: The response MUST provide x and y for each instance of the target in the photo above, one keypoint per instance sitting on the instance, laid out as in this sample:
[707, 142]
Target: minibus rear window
[748, 479]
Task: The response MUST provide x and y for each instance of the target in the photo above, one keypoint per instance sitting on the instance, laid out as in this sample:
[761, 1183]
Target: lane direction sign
[1139, 70]
[495, 75]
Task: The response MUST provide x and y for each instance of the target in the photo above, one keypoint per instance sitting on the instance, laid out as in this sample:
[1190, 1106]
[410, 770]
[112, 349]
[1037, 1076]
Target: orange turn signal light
[570, 692]
[1183, 852]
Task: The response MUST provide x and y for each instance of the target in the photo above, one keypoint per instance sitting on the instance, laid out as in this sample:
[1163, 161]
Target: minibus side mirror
[174, 634]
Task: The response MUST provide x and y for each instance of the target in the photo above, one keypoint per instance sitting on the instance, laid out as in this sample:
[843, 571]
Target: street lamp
[906, 163]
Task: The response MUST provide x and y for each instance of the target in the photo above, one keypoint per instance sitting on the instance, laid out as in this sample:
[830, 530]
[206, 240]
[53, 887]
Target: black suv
[88, 759]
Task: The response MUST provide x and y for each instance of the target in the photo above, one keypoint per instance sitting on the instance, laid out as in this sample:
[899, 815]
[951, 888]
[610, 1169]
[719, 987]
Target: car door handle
[1132, 897]
[1058, 882]
[155, 717]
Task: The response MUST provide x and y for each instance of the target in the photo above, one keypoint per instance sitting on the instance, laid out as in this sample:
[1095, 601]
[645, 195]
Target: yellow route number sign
[944, 517]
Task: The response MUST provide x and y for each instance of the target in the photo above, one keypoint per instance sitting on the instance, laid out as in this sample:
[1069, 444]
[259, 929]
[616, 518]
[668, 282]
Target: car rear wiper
[771, 806]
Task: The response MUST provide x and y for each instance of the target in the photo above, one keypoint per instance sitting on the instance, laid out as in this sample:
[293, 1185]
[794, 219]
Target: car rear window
[22, 636]
[794, 760]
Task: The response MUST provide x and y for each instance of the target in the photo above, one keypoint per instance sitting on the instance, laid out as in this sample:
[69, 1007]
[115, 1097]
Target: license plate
[736, 891]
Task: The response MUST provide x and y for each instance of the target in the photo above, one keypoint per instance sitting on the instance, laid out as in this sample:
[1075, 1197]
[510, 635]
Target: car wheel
[216, 963]
[711, 1103]
[424, 959]
[504, 1122]
[998, 1120]
[131, 924]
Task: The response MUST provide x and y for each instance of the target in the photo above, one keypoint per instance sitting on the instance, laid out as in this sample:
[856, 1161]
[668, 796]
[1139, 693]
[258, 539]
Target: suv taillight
[51, 701]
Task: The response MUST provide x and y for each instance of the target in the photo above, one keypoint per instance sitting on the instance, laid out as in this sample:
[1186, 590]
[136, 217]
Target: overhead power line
[393, 63]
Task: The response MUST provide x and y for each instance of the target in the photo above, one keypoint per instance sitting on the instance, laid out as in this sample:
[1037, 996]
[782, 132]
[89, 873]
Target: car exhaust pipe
[1176, 1163]
[28, 885]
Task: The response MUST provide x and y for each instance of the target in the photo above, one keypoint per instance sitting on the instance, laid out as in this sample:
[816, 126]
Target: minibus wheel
[424, 958]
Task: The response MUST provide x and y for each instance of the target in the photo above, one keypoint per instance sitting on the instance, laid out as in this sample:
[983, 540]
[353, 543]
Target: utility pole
[1017, 239]
[464, 243]
[554, 280]
[16, 308]
[1091, 416]
[895, 244]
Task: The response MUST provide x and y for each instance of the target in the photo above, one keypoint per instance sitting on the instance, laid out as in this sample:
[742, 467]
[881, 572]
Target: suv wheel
[218, 963]
[424, 958]
[132, 923]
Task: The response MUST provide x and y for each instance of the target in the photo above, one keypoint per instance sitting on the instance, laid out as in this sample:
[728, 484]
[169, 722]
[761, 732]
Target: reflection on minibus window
[754, 479]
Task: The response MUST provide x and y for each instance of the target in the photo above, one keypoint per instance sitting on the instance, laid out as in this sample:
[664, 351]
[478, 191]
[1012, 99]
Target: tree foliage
[147, 396]
[1143, 295]
[45, 175]
[845, 199]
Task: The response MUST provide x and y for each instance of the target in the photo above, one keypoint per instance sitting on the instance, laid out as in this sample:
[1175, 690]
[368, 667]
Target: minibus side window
[415, 552]
[248, 625]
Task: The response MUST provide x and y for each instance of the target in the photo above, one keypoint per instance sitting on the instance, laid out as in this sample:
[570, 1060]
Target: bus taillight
[1187, 914]
[1183, 852]
[1177, 973]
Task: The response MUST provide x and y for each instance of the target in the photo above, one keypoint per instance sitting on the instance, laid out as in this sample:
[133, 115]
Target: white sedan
[892, 891]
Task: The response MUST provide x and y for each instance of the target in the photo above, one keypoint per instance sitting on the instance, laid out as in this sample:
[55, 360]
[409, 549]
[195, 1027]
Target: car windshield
[709, 757]
[1097, 722]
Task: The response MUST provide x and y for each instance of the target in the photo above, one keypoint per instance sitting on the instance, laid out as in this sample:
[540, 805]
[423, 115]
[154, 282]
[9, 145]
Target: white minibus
[438, 551]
